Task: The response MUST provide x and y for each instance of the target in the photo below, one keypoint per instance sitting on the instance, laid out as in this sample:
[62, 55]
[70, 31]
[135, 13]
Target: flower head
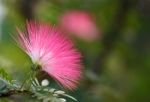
[53, 52]
[79, 23]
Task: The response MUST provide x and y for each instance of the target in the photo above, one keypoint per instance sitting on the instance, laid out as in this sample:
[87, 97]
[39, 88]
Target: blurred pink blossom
[56, 54]
[79, 23]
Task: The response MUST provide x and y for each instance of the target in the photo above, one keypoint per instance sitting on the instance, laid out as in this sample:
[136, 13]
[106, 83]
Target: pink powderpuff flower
[53, 52]
[79, 23]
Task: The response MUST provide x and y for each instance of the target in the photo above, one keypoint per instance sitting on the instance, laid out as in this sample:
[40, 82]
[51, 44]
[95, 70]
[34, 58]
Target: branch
[112, 35]
[26, 8]
[13, 92]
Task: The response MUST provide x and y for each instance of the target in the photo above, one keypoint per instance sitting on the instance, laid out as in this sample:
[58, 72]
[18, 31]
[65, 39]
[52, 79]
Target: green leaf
[4, 75]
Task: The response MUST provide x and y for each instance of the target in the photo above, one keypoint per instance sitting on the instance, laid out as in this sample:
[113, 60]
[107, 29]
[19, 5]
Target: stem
[30, 76]
[24, 82]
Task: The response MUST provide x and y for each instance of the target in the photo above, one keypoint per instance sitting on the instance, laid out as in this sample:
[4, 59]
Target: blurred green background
[116, 66]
